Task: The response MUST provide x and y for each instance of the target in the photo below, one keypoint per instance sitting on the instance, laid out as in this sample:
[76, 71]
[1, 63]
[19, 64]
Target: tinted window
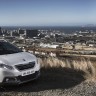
[7, 48]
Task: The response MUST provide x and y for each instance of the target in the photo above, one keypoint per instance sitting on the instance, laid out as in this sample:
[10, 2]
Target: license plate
[27, 73]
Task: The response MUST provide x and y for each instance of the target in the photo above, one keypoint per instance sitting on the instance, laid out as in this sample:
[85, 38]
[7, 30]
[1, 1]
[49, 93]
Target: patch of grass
[80, 64]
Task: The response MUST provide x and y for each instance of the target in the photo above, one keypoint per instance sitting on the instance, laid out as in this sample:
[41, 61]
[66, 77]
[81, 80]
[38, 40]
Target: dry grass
[80, 64]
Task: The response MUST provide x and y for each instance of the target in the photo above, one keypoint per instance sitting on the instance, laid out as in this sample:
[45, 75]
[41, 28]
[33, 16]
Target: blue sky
[47, 12]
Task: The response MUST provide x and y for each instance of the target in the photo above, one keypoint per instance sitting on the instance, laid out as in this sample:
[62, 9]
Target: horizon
[47, 13]
[83, 25]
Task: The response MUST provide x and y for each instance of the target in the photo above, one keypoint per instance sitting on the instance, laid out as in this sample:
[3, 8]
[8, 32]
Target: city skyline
[47, 12]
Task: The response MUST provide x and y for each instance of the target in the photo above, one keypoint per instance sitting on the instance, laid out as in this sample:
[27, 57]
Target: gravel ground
[54, 82]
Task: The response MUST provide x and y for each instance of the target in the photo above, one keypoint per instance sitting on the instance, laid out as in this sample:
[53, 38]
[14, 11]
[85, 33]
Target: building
[15, 34]
[31, 33]
[21, 31]
[0, 31]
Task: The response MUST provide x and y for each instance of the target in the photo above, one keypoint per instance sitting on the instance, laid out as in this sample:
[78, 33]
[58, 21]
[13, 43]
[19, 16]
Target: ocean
[64, 29]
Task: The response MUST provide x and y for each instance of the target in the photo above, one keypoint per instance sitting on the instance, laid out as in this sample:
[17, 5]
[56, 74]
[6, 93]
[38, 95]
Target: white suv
[16, 66]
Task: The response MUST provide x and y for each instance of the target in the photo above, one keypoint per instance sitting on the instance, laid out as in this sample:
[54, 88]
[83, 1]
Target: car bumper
[20, 79]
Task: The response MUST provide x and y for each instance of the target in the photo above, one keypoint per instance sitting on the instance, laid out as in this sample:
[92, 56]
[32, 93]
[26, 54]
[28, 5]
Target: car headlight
[6, 66]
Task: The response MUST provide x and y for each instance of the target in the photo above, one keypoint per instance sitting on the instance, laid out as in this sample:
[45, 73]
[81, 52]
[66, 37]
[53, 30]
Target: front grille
[25, 66]
[28, 77]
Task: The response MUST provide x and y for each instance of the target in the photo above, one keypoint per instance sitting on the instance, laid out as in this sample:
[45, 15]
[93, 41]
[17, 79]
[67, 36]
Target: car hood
[17, 58]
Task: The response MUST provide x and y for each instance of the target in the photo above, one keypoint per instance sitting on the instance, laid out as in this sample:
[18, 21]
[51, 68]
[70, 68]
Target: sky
[47, 12]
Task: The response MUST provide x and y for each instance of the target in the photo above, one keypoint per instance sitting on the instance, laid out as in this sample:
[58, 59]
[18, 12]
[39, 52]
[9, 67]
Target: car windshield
[7, 48]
